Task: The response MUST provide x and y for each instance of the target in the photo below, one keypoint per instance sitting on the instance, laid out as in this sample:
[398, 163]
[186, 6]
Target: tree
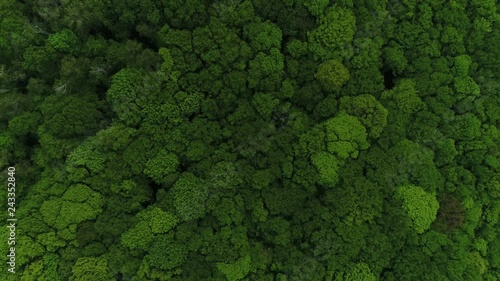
[186, 15]
[359, 271]
[464, 127]
[419, 205]
[264, 104]
[266, 70]
[328, 168]
[462, 65]
[163, 167]
[263, 140]
[91, 268]
[404, 97]
[345, 136]
[165, 253]
[233, 13]
[17, 33]
[229, 211]
[466, 87]
[65, 41]
[152, 221]
[122, 94]
[79, 203]
[334, 34]
[224, 176]
[371, 114]
[263, 36]
[189, 194]
[70, 116]
[316, 7]
[235, 271]
[332, 75]
[401, 102]
[41, 60]
[296, 48]
[394, 57]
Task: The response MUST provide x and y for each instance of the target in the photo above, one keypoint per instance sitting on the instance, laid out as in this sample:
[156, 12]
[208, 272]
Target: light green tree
[328, 168]
[419, 205]
[91, 268]
[356, 272]
[345, 136]
[237, 270]
[152, 221]
[64, 41]
[78, 203]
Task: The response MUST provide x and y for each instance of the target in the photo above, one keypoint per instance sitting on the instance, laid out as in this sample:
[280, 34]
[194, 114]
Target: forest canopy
[232, 140]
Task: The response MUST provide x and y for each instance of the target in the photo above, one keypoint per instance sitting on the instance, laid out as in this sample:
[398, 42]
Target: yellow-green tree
[419, 205]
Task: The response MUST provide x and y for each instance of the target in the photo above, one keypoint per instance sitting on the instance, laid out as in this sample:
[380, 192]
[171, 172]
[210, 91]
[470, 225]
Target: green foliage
[77, 204]
[263, 35]
[462, 65]
[395, 58]
[404, 97]
[332, 75]
[264, 104]
[263, 178]
[296, 48]
[64, 41]
[336, 29]
[69, 116]
[140, 236]
[237, 270]
[316, 7]
[464, 127]
[122, 95]
[251, 140]
[40, 60]
[159, 220]
[229, 211]
[371, 114]
[359, 271]
[50, 241]
[266, 70]
[224, 176]
[189, 194]
[328, 168]
[168, 61]
[313, 140]
[166, 253]
[24, 124]
[91, 268]
[163, 165]
[87, 156]
[345, 136]
[419, 205]
[16, 33]
[466, 87]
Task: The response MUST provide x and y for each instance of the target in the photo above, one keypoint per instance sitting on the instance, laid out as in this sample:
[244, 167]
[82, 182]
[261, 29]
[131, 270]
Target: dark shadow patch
[320, 191]
[388, 79]
[31, 140]
[154, 191]
[450, 215]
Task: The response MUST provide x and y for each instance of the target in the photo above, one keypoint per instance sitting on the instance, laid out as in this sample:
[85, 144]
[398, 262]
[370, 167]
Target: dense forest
[288, 140]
